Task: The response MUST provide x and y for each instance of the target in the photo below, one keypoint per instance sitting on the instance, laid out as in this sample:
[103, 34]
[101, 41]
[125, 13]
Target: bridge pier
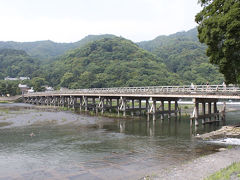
[212, 114]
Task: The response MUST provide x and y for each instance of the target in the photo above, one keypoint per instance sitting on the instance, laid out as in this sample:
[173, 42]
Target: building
[24, 88]
[10, 79]
[16, 79]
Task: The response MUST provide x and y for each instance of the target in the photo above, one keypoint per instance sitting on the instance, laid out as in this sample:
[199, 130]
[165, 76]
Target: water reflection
[75, 146]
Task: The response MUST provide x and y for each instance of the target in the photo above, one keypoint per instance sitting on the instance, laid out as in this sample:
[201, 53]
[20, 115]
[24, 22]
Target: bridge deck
[200, 91]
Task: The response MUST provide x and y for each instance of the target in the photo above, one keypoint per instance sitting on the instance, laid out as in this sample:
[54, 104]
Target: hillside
[45, 50]
[15, 63]
[185, 55]
[97, 61]
[109, 62]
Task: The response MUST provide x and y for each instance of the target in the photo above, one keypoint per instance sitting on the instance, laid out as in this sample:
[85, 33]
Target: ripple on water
[71, 145]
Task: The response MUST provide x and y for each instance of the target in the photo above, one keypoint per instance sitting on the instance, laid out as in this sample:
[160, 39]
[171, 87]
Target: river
[53, 144]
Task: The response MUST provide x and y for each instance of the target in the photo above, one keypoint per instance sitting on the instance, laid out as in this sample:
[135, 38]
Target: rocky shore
[224, 132]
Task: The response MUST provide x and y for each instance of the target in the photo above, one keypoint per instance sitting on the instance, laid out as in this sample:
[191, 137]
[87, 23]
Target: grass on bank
[4, 102]
[230, 172]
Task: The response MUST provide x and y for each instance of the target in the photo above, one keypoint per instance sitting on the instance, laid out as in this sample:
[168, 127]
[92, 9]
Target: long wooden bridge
[154, 100]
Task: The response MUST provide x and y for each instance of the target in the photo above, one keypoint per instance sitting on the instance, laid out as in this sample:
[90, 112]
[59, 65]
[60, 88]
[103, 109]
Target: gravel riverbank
[199, 168]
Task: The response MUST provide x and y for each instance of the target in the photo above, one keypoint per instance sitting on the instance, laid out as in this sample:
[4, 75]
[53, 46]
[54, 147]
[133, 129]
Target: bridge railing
[151, 90]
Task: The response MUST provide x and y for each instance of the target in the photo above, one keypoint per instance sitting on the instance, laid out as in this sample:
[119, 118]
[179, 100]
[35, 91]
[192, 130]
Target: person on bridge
[224, 86]
[192, 86]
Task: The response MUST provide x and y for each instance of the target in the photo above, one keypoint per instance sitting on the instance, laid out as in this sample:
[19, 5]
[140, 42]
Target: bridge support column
[140, 106]
[110, 104]
[37, 101]
[68, 102]
[209, 111]
[118, 107]
[63, 101]
[85, 102]
[102, 104]
[162, 109]
[147, 109]
[154, 106]
[94, 104]
[80, 103]
[132, 110]
[223, 112]
[74, 102]
[216, 117]
[56, 101]
[176, 108]
[124, 106]
[203, 112]
[169, 109]
[195, 113]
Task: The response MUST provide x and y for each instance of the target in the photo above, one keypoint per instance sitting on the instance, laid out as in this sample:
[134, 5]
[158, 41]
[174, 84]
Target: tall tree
[219, 29]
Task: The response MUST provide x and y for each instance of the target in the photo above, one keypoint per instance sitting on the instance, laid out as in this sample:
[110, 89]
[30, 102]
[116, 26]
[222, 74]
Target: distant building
[31, 90]
[16, 79]
[63, 89]
[24, 88]
[48, 88]
[10, 79]
[24, 78]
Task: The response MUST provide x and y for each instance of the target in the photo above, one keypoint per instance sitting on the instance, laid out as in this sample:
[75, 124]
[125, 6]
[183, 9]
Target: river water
[49, 144]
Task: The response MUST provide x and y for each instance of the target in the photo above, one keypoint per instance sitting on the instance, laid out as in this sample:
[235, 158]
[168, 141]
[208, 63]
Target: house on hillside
[10, 79]
[16, 79]
[24, 88]
[48, 88]
[24, 78]
[31, 90]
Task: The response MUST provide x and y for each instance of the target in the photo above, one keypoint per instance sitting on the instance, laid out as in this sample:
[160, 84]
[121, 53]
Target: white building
[31, 90]
[16, 79]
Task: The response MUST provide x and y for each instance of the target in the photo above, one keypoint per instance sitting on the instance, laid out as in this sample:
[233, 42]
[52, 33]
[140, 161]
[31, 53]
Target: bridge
[153, 100]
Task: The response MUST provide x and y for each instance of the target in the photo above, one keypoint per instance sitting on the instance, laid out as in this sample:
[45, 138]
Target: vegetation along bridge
[154, 100]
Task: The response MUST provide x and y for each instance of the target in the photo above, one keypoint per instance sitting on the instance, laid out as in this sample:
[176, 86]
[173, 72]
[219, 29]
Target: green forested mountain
[45, 50]
[110, 62]
[15, 63]
[185, 55]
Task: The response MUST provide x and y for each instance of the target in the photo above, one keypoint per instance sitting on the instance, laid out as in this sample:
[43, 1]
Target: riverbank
[224, 132]
[9, 99]
[199, 168]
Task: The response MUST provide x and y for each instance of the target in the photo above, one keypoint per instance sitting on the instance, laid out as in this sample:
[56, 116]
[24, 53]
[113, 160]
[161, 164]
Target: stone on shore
[224, 132]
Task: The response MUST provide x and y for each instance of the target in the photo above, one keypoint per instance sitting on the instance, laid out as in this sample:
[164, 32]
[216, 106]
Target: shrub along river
[52, 144]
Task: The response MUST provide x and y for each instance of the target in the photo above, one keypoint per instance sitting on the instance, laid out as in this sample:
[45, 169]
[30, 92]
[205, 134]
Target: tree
[67, 79]
[38, 83]
[219, 24]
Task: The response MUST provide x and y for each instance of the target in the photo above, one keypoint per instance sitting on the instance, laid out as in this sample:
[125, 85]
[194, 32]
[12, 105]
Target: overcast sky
[71, 20]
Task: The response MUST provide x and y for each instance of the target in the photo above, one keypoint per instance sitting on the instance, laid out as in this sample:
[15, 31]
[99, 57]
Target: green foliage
[16, 63]
[47, 50]
[219, 24]
[230, 172]
[110, 62]
[9, 87]
[184, 55]
[38, 84]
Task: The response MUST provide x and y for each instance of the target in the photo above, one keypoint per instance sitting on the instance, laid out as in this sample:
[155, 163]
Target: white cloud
[65, 21]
